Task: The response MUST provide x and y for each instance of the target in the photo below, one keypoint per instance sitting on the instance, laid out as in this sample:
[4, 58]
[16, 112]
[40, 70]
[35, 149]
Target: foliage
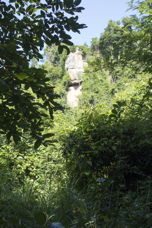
[95, 45]
[26, 92]
[29, 181]
[96, 84]
[109, 155]
[119, 45]
[96, 169]
[128, 43]
[55, 66]
[109, 134]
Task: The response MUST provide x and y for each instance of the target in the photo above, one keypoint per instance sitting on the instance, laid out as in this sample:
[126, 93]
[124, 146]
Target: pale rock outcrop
[75, 67]
[73, 95]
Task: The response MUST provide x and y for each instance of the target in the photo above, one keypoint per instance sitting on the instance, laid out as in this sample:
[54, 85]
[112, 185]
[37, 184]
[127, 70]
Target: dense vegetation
[89, 166]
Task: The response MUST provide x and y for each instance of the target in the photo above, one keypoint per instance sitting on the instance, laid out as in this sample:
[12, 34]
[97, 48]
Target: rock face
[75, 67]
[73, 94]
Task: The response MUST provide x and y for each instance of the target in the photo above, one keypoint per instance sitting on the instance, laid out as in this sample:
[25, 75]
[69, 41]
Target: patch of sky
[96, 15]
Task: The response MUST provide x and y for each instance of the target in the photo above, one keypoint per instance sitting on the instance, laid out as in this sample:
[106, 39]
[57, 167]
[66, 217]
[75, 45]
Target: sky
[96, 15]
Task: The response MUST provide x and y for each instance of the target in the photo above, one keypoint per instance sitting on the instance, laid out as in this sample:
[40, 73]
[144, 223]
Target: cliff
[75, 67]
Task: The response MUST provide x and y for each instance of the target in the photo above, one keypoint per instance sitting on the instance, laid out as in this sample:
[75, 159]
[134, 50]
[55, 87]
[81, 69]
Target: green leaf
[61, 49]
[30, 9]
[47, 135]
[22, 76]
[77, 2]
[114, 111]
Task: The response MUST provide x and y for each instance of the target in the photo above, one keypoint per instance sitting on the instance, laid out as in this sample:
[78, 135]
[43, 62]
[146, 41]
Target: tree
[56, 72]
[26, 93]
[95, 45]
[96, 86]
[117, 41]
[129, 41]
[143, 27]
